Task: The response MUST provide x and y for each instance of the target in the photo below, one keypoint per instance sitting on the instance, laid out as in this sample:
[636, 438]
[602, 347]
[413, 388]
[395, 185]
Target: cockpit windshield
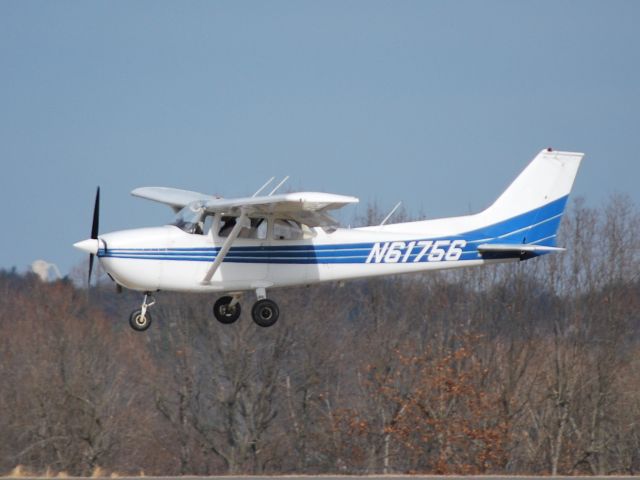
[190, 218]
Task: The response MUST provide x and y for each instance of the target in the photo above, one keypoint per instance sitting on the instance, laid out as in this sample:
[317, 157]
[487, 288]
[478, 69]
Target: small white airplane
[277, 240]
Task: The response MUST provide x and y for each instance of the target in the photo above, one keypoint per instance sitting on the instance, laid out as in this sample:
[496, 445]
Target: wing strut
[390, 213]
[279, 185]
[263, 187]
[241, 222]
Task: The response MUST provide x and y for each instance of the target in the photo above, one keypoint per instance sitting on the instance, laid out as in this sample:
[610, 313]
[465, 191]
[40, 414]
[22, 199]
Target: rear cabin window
[287, 230]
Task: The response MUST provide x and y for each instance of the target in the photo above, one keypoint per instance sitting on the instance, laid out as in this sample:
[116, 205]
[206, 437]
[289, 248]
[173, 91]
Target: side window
[261, 228]
[226, 225]
[286, 230]
[208, 223]
[258, 229]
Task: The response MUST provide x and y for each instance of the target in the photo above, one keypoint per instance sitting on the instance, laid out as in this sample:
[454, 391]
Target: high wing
[309, 208]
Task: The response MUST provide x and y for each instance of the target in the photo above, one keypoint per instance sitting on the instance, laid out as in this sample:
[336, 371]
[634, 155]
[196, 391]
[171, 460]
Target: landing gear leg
[265, 312]
[140, 319]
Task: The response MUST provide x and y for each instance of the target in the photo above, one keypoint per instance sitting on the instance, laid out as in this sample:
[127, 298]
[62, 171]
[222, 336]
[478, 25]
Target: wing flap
[309, 208]
[282, 203]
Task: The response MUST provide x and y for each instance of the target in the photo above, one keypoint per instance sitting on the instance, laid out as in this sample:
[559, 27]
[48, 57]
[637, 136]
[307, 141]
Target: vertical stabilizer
[548, 178]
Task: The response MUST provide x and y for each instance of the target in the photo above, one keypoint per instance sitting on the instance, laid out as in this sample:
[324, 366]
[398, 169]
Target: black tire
[265, 312]
[223, 313]
[138, 323]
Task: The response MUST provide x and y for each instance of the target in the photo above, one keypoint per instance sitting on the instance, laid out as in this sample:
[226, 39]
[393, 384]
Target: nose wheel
[140, 319]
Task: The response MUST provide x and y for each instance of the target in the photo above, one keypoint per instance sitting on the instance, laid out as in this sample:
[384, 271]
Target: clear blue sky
[437, 104]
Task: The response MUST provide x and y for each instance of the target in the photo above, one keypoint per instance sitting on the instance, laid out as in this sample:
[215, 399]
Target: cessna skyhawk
[277, 240]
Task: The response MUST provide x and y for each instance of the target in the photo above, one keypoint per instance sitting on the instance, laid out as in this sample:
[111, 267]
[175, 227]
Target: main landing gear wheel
[224, 312]
[265, 312]
[138, 321]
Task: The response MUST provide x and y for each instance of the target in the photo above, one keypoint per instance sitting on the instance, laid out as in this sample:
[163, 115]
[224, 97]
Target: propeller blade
[94, 228]
[90, 266]
[96, 215]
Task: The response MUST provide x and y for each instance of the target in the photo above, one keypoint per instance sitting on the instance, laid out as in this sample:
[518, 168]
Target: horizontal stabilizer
[493, 251]
[515, 247]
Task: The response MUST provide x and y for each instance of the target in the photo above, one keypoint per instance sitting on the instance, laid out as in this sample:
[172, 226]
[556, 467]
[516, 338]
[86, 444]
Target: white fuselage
[167, 258]
[239, 253]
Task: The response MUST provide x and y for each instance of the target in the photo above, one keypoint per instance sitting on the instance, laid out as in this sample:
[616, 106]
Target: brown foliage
[527, 368]
[442, 420]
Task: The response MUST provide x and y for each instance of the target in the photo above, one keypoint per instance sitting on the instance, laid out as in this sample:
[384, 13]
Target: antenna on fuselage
[263, 186]
[390, 213]
[279, 185]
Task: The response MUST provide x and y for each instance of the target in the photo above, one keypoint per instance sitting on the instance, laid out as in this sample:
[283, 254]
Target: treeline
[520, 368]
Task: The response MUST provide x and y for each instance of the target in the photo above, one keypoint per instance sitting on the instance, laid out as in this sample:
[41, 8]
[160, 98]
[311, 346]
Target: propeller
[94, 228]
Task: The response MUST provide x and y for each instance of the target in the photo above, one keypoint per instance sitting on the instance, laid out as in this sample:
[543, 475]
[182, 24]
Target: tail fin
[547, 178]
[529, 211]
